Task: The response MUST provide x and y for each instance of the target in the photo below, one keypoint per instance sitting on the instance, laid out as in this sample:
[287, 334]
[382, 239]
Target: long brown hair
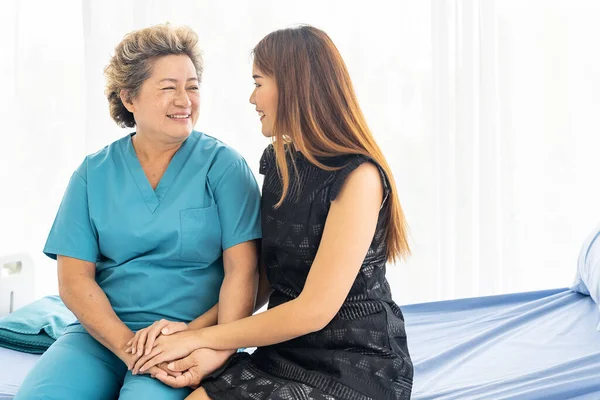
[318, 112]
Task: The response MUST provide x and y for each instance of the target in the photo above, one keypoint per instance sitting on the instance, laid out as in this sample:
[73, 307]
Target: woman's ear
[126, 100]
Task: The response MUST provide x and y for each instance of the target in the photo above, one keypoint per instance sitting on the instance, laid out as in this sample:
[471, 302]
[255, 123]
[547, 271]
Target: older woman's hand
[193, 368]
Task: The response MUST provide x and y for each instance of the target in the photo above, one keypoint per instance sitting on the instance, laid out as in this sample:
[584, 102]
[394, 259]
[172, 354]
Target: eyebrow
[175, 80]
[256, 76]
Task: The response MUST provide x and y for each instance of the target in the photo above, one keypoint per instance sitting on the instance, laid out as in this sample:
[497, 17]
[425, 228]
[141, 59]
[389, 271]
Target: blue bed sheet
[536, 345]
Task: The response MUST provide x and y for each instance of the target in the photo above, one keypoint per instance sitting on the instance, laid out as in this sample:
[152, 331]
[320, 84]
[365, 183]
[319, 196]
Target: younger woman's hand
[144, 339]
[168, 348]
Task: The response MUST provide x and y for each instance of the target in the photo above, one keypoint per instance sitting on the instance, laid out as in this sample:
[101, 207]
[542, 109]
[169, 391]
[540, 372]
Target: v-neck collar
[153, 197]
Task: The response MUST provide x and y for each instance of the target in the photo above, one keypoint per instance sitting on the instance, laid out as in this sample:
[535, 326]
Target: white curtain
[473, 230]
[510, 165]
[486, 110]
[42, 109]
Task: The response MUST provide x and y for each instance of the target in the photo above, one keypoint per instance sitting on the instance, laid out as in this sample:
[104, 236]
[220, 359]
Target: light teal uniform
[158, 253]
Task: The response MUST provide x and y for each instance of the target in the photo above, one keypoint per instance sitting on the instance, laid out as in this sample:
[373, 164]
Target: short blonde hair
[134, 57]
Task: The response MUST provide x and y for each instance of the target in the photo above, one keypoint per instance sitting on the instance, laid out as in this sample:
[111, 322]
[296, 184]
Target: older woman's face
[168, 102]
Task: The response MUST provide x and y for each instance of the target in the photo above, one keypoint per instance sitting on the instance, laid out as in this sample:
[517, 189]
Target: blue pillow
[587, 280]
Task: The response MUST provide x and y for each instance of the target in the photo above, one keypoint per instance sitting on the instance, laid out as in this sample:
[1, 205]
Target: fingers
[132, 344]
[155, 331]
[175, 382]
[174, 327]
[144, 339]
[139, 349]
[153, 371]
[130, 363]
[154, 360]
[163, 366]
[182, 365]
[192, 379]
[142, 361]
[130, 341]
[188, 379]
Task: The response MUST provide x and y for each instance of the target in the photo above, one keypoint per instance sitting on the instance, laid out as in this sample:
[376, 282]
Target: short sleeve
[72, 233]
[238, 200]
[354, 162]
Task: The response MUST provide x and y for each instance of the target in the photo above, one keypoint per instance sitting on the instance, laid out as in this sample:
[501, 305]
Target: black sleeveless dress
[362, 353]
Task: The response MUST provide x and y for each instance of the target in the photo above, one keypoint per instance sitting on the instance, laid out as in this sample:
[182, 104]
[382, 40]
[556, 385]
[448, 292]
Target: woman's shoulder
[110, 149]
[97, 161]
[267, 160]
[351, 162]
[219, 158]
[211, 145]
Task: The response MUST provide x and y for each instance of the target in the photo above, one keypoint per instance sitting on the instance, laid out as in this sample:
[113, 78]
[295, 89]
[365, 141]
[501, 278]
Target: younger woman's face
[265, 98]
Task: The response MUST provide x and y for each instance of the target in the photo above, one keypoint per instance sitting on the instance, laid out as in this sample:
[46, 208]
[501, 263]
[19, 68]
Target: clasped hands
[170, 352]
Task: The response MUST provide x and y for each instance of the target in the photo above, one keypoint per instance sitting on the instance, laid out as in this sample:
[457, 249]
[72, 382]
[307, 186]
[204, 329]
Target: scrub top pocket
[200, 234]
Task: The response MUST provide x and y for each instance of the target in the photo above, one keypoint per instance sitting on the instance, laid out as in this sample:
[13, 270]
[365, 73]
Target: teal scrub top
[158, 253]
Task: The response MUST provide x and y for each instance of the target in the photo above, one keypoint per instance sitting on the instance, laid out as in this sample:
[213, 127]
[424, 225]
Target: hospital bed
[536, 345]
[14, 366]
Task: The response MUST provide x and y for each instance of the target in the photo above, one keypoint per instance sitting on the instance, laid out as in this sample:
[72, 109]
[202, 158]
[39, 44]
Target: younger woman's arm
[347, 235]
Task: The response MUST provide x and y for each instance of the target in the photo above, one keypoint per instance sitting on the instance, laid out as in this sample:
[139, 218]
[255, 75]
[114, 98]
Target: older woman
[157, 226]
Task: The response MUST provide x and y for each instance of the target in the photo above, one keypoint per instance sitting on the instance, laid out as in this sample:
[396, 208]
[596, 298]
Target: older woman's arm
[238, 291]
[211, 317]
[82, 295]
